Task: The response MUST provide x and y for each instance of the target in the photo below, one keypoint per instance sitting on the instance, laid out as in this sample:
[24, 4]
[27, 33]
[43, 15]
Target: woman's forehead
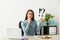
[30, 12]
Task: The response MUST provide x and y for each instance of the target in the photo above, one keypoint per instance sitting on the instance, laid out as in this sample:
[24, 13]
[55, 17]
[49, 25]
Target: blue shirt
[29, 28]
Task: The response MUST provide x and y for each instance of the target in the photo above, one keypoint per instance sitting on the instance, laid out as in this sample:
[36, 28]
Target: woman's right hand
[29, 20]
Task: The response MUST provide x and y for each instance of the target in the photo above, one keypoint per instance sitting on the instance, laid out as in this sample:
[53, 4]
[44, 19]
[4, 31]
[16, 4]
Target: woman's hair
[32, 13]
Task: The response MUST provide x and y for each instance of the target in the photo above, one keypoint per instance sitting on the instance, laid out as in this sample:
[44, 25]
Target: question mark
[41, 12]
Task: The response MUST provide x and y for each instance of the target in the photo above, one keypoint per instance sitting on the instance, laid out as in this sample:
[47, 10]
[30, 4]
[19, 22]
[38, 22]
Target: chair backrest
[21, 28]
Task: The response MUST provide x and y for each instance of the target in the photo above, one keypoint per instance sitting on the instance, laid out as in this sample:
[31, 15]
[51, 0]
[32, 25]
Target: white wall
[12, 11]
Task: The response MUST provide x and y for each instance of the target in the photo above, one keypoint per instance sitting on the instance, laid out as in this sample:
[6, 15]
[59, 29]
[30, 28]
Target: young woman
[29, 25]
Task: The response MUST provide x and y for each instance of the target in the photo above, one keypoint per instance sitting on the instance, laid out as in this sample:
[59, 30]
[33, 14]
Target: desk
[54, 37]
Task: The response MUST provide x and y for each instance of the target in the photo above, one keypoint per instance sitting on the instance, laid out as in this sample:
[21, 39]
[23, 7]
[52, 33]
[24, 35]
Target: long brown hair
[32, 13]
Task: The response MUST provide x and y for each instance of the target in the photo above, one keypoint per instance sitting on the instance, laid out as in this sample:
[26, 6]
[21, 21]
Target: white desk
[12, 35]
[54, 37]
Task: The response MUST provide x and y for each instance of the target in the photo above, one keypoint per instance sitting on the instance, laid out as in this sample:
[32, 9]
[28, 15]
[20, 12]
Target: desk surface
[54, 37]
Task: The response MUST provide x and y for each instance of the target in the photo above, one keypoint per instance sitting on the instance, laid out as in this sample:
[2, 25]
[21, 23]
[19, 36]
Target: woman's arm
[25, 27]
[36, 29]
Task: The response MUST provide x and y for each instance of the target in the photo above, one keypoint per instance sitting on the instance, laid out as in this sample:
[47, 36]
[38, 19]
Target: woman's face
[30, 15]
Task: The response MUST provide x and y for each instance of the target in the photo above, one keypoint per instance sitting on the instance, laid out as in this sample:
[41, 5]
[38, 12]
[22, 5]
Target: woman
[29, 25]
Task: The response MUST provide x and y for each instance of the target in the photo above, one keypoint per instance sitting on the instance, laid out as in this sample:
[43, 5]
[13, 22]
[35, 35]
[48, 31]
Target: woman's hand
[29, 20]
[41, 20]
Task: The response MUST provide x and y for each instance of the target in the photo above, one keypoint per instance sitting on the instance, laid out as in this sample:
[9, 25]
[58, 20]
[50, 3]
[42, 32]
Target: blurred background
[13, 11]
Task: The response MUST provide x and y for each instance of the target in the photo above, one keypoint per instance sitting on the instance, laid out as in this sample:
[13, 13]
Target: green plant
[48, 17]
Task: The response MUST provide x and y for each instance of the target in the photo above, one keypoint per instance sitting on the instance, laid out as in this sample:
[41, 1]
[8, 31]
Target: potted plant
[47, 18]
[46, 31]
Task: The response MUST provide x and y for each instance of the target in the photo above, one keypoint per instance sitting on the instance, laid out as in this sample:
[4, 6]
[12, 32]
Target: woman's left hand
[41, 20]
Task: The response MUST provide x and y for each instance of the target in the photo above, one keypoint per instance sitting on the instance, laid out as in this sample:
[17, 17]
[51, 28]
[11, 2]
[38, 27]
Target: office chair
[21, 28]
